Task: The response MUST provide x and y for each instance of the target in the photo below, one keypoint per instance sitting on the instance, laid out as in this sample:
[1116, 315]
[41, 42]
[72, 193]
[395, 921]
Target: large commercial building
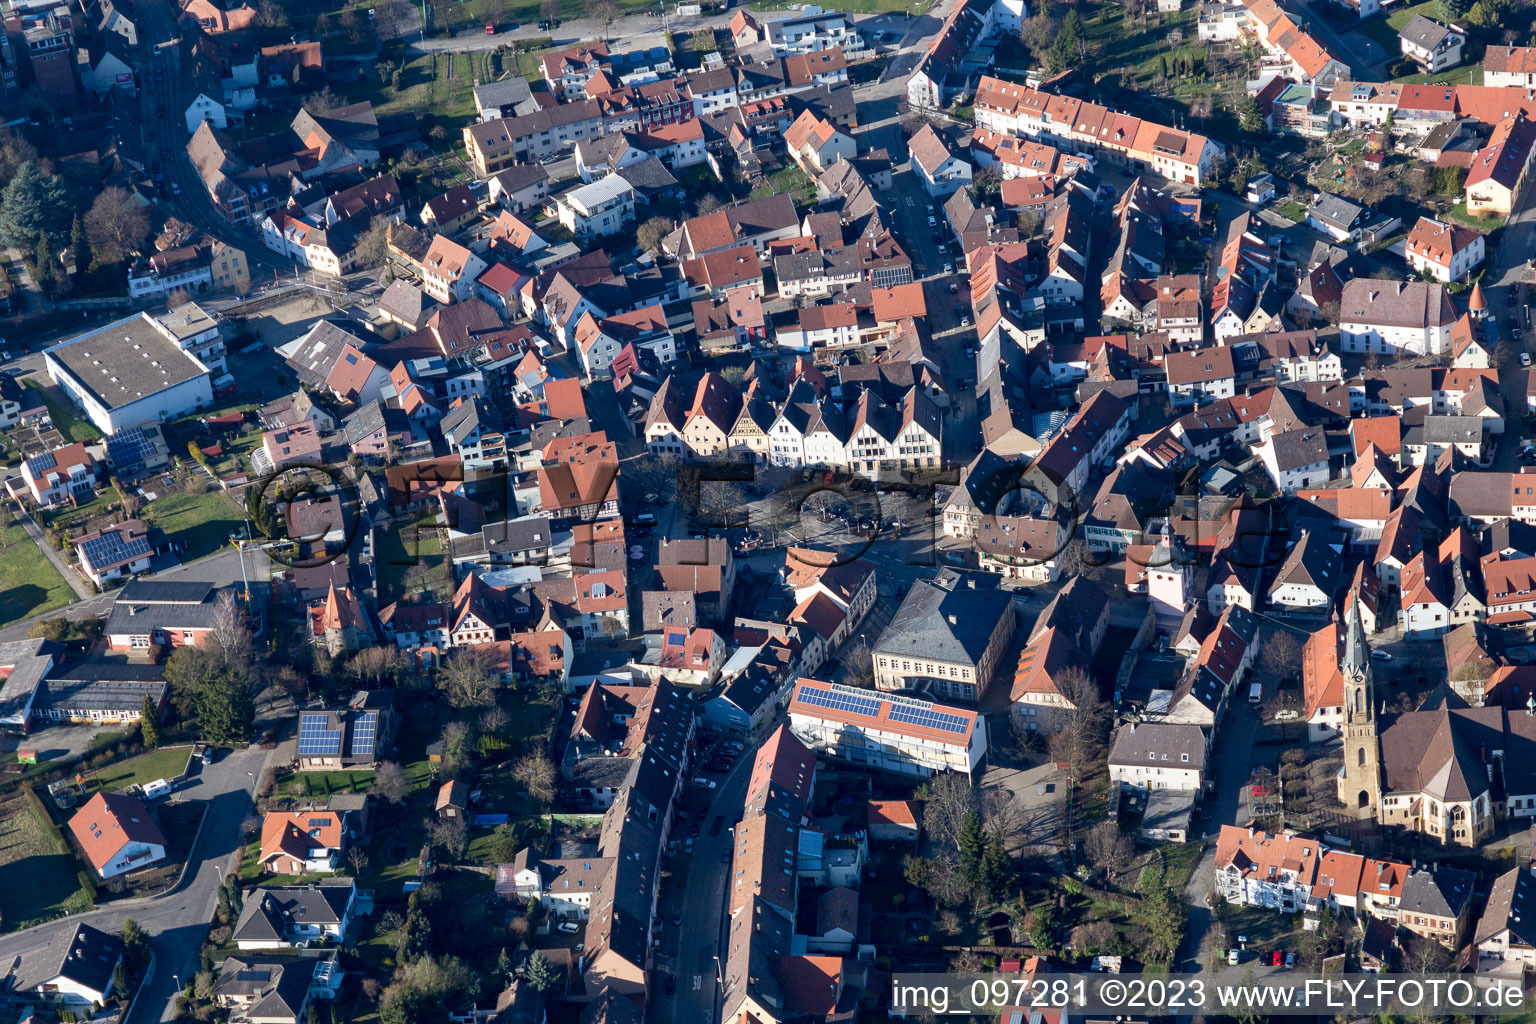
[881, 730]
[130, 371]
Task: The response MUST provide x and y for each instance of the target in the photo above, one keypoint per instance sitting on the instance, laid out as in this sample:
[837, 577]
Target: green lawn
[165, 763]
[1464, 75]
[792, 180]
[441, 84]
[319, 784]
[1383, 31]
[203, 522]
[1112, 47]
[1486, 225]
[1292, 210]
[402, 548]
[79, 515]
[29, 584]
[31, 851]
[72, 427]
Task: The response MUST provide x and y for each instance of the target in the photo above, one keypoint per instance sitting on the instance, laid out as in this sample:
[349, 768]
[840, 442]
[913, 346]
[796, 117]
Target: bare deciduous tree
[1108, 849]
[231, 639]
[467, 678]
[1081, 722]
[116, 225]
[950, 799]
[390, 783]
[537, 774]
[1282, 654]
[604, 12]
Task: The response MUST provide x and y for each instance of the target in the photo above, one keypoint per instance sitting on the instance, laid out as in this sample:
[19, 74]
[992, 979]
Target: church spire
[1357, 653]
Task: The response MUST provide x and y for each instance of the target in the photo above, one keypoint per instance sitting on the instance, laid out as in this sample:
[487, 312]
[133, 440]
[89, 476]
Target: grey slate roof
[1335, 211]
[85, 956]
[1178, 746]
[143, 605]
[1512, 905]
[277, 986]
[1440, 891]
[269, 910]
[944, 620]
[1424, 32]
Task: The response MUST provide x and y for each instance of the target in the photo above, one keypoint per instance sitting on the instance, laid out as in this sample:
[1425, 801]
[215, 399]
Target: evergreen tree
[997, 866]
[416, 933]
[503, 966]
[1249, 118]
[972, 841]
[226, 707]
[539, 973]
[31, 202]
[120, 979]
[43, 252]
[84, 260]
[149, 723]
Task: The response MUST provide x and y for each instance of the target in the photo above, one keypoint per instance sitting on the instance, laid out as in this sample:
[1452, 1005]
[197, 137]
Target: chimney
[954, 620]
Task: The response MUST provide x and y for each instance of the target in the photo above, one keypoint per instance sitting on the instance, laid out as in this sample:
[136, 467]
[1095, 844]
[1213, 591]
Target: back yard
[30, 849]
[32, 585]
[165, 763]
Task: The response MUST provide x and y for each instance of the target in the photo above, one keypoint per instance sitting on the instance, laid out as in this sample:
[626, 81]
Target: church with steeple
[1360, 777]
[1446, 769]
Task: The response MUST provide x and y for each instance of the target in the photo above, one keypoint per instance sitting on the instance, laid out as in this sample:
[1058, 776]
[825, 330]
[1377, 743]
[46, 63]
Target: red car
[490, 28]
[1277, 959]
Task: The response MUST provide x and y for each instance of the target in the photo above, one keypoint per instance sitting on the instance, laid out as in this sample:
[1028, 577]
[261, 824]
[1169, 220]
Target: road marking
[696, 983]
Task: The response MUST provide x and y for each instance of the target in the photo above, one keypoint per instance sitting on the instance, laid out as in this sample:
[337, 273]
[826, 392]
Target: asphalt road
[701, 898]
[165, 137]
[178, 921]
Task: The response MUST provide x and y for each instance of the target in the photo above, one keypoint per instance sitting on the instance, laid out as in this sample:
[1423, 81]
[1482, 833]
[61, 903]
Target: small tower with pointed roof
[1477, 305]
[1360, 780]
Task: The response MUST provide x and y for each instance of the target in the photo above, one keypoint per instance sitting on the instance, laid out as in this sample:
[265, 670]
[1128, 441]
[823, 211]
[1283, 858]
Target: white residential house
[1158, 755]
[1444, 251]
[205, 108]
[941, 171]
[1432, 45]
[1395, 318]
[1296, 458]
[604, 207]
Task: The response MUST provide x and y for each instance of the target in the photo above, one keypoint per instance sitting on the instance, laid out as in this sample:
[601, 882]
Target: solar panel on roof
[110, 549]
[365, 734]
[315, 739]
[928, 718]
[840, 701]
[129, 447]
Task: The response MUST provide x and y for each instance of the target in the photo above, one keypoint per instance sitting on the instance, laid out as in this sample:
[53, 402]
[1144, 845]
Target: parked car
[1381, 656]
[568, 927]
[704, 783]
[1290, 960]
[1233, 956]
[1525, 359]
[1276, 959]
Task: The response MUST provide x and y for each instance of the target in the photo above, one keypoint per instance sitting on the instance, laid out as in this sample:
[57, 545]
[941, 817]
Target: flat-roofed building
[128, 372]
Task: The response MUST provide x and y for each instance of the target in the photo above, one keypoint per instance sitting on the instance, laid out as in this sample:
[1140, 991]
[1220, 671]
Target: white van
[1256, 693]
[157, 789]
